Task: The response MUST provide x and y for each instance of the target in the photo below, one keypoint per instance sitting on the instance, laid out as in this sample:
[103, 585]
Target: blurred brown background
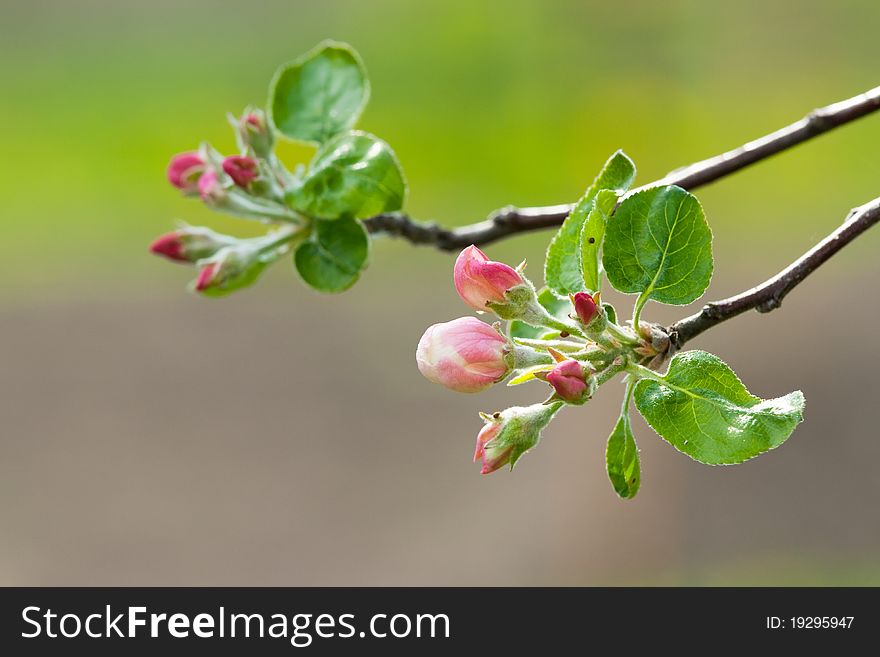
[280, 437]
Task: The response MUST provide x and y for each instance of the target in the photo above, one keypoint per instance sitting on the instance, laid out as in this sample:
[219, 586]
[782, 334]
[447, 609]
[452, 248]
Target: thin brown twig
[769, 295]
[511, 220]
[765, 297]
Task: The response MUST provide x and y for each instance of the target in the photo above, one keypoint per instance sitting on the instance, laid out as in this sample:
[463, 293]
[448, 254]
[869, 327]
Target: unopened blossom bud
[254, 132]
[184, 171]
[230, 269]
[243, 170]
[493, 456]
[190, 244]
[480, 281]
[586, 307]
[211, 189]
[572, 380]
[208, 276]
[507, 435]
[465, 355]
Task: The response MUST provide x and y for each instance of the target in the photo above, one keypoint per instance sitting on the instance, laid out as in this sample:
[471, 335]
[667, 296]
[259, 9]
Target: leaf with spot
[659, 245]
[332, 259]
[704, 410]
[622, 458]
[319, 95]
[592, 237]
[353, 175]
[562, 268]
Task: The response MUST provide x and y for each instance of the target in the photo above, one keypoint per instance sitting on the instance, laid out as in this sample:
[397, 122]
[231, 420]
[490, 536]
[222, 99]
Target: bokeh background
[279, 437]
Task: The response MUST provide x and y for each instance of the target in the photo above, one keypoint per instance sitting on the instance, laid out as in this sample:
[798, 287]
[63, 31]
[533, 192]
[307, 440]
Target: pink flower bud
[571, 380]
[242, 170]
[253, 122]
[210, 188]
[465, 355]
[585, 307]
[170, 246]
[493, 457]
[190, 244]
[184, 171]
[479, 280]
[207, 276]
[254, 133]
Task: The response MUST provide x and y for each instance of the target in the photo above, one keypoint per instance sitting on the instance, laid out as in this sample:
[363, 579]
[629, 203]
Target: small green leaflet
[622, 459]
[320, 94]
[660, 246]
[610, 312]
[353, 175]
[333, 257]
[705, 411]
[592, 235]
[562, 268]
[618, 173]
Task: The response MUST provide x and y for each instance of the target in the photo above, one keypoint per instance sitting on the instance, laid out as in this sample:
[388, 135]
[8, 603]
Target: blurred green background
[280, 437]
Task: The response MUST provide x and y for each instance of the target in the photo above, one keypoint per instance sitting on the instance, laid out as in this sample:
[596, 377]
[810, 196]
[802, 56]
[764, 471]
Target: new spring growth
[468, 355]
[316, 209]
[654, 243]
[243, 185]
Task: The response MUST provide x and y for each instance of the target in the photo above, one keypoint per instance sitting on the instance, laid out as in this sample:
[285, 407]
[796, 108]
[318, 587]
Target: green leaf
[333, 257]
[610, 312]
[562, 268]
[591, 237]
[554, 305]
[617, 174]
[705, 411]
[659, 245]
[320, 94]
[353, 175]
[622, 459]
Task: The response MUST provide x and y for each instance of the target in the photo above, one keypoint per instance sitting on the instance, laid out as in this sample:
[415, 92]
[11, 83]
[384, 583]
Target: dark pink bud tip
[206, 276]
[243, 170]
[170, 246]
[184, 170]
[253, 120]
[585, 307]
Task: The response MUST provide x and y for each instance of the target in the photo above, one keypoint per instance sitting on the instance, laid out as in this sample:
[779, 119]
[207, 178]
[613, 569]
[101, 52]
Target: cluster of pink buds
[249, 184]
[579, 350]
